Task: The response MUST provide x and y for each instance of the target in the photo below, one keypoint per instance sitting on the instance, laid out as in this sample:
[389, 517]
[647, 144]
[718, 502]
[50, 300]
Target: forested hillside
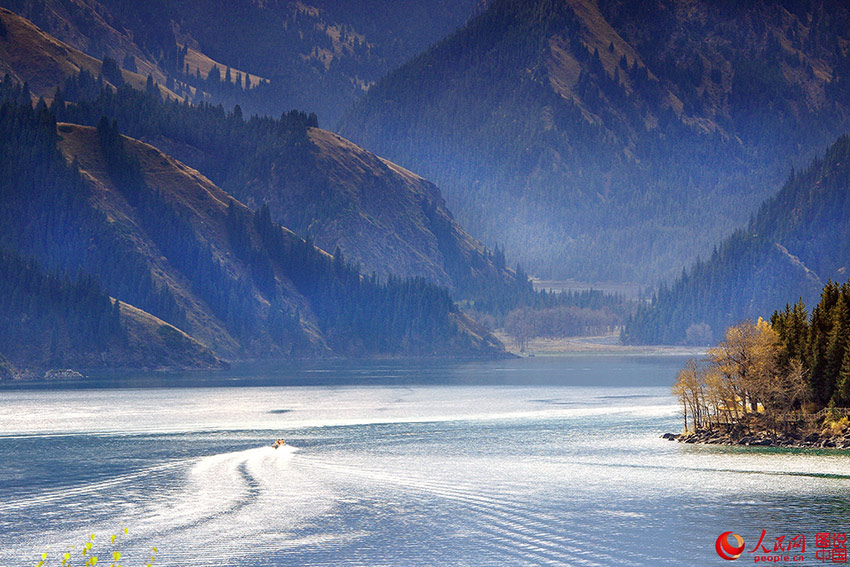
[799, 240]
[379, 215]
[270, 57]
[139, 226]
[64, 316]
[615, 139]
[37, 59]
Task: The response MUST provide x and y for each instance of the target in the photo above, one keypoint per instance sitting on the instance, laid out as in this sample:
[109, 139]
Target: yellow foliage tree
[741, 375]
[746, 361]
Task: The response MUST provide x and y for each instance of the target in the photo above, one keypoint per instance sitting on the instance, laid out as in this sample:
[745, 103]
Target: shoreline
[763, 439]
[69, 374]
[601, 344]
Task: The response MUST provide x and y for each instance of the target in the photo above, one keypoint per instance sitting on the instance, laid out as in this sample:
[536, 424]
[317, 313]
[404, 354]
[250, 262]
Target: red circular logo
[727, 550]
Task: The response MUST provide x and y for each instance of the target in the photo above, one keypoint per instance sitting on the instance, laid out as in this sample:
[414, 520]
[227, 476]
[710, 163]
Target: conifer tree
[841, 397]
[837, 341]
[110, 71]
[819, 333]
[150, 86]
[214, 76]
[129, 63]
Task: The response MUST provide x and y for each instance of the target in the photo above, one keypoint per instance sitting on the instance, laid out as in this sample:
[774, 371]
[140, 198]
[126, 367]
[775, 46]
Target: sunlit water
[547, 461]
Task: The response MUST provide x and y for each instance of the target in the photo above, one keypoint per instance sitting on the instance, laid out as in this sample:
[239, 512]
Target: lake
[539, 461]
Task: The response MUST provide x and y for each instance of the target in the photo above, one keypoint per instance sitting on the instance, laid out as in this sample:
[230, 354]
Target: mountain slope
[159, 236]
[31, 56]
[316, 55]
[221, 225]
[799, 240]
[188, 193]
[386, 218]
[379, 215]
[614, 139]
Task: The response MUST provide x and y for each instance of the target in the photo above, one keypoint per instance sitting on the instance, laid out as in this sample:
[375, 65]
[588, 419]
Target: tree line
[525, 323]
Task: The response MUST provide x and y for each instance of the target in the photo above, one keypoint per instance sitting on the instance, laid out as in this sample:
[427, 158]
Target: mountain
[50, 321]
[315, 55]
[137, 225]
[798, 241]
[379, 215]
[31, 56]
[614, 139]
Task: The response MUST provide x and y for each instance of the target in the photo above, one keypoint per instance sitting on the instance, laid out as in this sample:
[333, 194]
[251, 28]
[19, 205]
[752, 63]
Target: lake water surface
[544, 461]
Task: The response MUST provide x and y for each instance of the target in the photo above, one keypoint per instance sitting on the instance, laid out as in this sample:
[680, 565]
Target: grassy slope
[30, 55]
[394, 217]
[204, 204]
[156, 344]
[204, 63]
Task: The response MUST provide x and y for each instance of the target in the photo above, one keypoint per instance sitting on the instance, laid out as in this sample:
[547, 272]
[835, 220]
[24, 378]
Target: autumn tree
[792, 364]
[690, 389]
[746, 358]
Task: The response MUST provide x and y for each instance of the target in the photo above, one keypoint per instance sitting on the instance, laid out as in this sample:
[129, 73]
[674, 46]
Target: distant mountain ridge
[614, 139]
[799, 240]
[316, 56]
[36, 58]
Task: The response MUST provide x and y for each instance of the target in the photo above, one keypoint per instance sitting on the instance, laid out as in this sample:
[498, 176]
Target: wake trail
[506, 523]
[112, 484]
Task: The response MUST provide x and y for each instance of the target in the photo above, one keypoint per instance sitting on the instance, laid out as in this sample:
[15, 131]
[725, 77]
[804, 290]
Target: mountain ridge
[198, 274]
[316, 55]
[31, 56]
[794, 245]
[620, 161]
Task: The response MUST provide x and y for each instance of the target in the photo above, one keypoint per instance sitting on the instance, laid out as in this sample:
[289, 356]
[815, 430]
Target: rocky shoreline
[763, 439]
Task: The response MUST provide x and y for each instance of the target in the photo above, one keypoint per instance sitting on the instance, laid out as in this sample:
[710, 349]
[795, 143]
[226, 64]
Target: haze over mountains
[615, 140]
[177, 216]
[798, 241]
[186, 256]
